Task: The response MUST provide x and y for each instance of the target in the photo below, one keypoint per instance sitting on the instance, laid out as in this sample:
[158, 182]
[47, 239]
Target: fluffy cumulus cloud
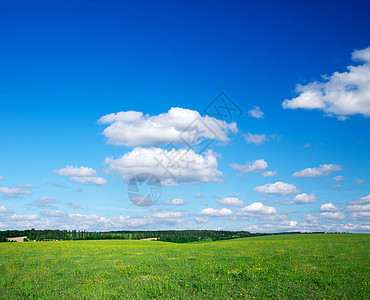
[134, 129]
[16, 221]
[328, 207]
[171, 167]
[256, 112]
[211, 212]
[75, 171]
[82, 175]
[176, 201]
[304, 198]
[341, 94]
[277, 188]
[198, 195]
[168, 218]
[14, 192]
[318, 171]
[260, 211]
[231, 201]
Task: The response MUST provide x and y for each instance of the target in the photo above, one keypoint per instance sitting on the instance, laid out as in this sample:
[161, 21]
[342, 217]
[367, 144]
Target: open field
[317, 266]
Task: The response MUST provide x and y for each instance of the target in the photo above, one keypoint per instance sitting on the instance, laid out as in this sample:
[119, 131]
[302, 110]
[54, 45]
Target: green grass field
[317, 266]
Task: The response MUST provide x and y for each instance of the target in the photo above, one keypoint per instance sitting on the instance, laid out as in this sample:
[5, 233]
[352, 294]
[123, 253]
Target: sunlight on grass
[323, 266]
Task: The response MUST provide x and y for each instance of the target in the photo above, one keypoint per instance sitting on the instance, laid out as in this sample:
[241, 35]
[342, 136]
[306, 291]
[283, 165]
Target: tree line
[175, 236]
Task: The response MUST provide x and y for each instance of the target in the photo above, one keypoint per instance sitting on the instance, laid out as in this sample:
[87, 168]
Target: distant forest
[175, 236]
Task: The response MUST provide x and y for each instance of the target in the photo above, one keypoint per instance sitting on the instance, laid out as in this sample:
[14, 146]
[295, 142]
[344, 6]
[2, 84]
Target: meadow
[295, 266]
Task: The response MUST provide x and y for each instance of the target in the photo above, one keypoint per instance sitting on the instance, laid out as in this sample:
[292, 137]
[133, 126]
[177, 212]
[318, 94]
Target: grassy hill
[294, 266]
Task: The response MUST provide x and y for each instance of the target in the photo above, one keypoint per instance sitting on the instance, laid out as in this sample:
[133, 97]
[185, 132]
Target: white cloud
[341, 94]
[198, 195]
[131, 222]
[75, 205]
[186, 167]
[256, 166]
[1, 178]
[328, 207]
[269, 173]
[82, 175]
[75, 171]
[278, 188]
[359, 208]
[337, 186]
[69, 221]
[27, 224]
[168, 218]
[302, 199]
[168, 215]
[93, 180]
[359, 181]
[123, 116]
[318, 171]
[338, 178]
[201, 220]
[257, 139]
[355, 227]
[256, 113]
[16, 217]
[176, 201]
[256, 209]
[211, 212]
[135, 129]
[307, 227]
[363, 200]
[365, 215]
[45, 200]
[3, 209]
[332, 216]
[231, 201]
[14, 191]
[55, 213]
[311, 218]
[282, 226]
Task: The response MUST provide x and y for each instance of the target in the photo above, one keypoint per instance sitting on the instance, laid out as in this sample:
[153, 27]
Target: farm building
[16, 239]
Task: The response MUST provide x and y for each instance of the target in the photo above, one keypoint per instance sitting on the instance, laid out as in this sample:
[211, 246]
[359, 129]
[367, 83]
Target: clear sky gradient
[66, 64]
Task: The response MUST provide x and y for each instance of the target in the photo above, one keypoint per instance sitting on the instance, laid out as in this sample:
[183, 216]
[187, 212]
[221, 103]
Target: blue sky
[67, 64]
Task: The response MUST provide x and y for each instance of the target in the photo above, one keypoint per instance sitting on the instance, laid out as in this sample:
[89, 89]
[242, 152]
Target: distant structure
[16, 239]
[150, 239]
